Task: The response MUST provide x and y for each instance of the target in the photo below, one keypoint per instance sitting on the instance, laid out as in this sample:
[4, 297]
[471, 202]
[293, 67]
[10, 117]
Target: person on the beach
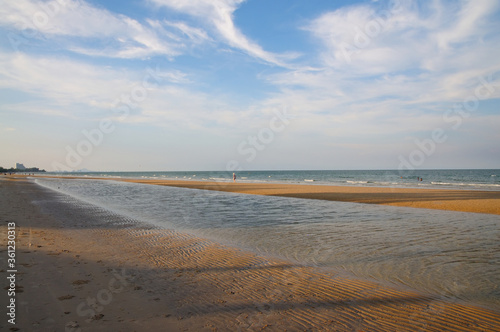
[234, 177]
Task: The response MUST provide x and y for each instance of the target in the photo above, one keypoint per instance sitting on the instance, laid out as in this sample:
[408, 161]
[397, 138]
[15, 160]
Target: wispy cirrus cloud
[468, 22]
[405, 53]
[370, 75]
[75, 89]
[407, 66]
[219, 15]
[95, 31]
[364, 40]
[58, 80]
[66, 88]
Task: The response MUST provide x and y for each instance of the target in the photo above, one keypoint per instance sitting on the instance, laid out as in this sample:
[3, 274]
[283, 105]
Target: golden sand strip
[178, 282]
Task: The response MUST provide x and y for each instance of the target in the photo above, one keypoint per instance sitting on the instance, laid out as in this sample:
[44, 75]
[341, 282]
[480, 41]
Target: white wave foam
[466, 184]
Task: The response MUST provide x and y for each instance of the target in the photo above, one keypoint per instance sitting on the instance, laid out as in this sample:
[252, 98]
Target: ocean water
[485, 179]
[449, 254]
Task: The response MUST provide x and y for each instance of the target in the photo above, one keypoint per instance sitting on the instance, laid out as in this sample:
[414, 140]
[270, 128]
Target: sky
[167, 85]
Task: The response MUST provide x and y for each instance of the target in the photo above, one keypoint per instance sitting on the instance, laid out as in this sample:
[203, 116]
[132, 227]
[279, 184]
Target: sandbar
[454, 200]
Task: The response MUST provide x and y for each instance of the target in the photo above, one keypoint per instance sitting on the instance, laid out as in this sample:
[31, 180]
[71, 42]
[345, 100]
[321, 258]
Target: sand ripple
[231, 289]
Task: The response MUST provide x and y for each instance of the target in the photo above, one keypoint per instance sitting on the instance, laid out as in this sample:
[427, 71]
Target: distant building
[20, 166]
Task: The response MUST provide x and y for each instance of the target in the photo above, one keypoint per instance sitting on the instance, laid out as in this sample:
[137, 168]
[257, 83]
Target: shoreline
[145, 278]
[452, 200]
[439, 199]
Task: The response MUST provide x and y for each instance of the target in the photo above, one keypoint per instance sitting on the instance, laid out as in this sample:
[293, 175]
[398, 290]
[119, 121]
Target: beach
[84, 268]
[452, 200]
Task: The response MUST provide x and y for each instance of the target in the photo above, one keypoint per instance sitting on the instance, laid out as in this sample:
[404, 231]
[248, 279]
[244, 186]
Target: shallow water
[452, 254]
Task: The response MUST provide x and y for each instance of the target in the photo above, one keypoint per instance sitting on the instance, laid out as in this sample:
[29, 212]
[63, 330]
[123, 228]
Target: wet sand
[81, 267]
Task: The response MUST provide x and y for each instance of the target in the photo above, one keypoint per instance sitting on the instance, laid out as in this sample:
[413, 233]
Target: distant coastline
[24, 170]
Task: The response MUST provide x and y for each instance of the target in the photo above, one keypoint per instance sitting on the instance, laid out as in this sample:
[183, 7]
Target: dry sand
[83, 268]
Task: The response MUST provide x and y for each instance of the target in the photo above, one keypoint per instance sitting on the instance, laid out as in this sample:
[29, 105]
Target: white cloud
[468, 22]
[59, 80]
[405, 68]
[123, 36]
[76, 90]
[196, 35]
[368, 54]
[364, 41]
[402, 80]
[116, 35]
[64, 84]
[219, 15]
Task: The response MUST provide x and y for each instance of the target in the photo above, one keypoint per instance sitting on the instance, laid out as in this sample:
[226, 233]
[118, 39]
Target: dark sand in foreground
[81, 267]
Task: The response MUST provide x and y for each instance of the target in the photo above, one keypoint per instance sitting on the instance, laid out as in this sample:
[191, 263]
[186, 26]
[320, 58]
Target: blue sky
[256, 84]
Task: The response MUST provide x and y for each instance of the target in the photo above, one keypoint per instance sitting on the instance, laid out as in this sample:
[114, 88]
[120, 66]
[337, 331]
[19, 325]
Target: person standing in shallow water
[234, 177]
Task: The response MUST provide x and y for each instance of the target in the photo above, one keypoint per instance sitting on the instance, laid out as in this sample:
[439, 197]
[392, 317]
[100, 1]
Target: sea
[469, 179]
[448, 254]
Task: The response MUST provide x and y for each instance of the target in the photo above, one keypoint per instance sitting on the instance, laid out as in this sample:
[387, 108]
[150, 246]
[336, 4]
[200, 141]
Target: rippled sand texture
[448, 253]
[180, 282]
